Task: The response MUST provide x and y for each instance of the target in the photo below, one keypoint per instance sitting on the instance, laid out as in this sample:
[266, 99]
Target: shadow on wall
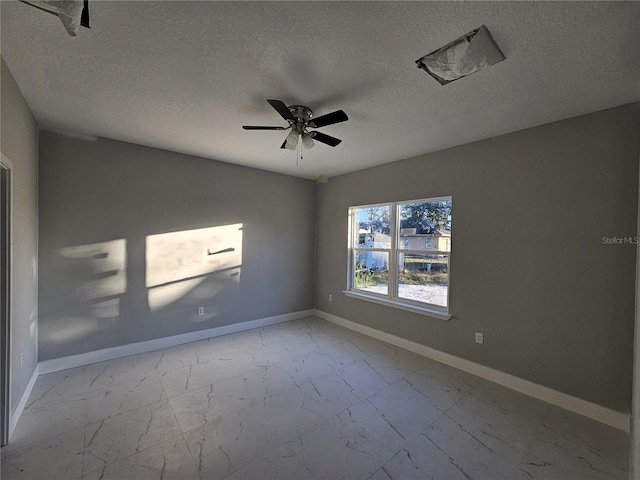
[173, 272]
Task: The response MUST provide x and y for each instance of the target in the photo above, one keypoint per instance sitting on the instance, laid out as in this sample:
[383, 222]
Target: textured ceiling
[185, 76]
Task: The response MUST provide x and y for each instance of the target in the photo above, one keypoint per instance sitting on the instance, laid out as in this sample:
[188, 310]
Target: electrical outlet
[200, 311]
[330, 298]
[479, 337]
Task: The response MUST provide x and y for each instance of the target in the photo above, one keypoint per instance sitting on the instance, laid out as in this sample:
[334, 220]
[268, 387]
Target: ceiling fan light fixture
[292, 140]
[468, 54]
[307, 141]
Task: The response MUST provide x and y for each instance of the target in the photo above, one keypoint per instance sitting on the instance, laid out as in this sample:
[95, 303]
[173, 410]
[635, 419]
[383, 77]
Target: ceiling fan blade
[329, 119]
[257, 127]
[282, 109]
[323, 138]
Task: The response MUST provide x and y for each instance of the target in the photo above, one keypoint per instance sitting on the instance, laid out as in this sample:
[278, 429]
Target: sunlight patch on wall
[100, 273]
[178, 263]
[164, 295]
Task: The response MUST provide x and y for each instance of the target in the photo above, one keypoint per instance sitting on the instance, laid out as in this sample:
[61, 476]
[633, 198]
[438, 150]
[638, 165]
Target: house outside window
[399, 253]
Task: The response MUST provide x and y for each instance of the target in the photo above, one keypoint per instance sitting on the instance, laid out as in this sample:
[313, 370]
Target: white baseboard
[596, 412]
[17, 412]
[57, 364]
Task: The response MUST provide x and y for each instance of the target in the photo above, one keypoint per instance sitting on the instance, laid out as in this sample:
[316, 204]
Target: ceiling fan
[300, 120]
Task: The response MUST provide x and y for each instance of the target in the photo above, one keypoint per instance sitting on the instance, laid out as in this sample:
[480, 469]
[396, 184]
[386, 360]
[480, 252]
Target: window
[399, 254]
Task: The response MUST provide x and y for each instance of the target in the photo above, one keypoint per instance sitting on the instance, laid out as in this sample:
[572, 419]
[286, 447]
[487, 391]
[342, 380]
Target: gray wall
[634, 455]
[104, 203]
[19, 143]
[528, 267]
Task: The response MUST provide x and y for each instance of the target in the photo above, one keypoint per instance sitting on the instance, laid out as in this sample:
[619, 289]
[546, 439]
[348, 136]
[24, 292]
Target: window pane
[423, 278]
[425, 226]
[371, 271]
[374, 226]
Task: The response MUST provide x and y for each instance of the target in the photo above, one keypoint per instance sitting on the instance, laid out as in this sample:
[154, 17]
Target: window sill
[429, 312]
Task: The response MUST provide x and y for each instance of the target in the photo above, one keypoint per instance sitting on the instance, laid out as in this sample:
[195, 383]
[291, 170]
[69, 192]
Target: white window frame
[391, 298]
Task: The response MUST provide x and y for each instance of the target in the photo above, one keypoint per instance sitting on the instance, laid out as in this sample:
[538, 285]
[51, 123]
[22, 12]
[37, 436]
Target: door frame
[6, 270]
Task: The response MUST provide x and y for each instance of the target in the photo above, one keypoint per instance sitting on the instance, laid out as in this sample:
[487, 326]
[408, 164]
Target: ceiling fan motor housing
[302, 114]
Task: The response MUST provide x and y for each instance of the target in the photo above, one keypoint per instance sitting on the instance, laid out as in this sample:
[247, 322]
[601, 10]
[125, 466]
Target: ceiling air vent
[72, 13]
[462, 57]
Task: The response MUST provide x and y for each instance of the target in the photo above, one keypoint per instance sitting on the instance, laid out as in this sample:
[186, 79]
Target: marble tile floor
[299, 400]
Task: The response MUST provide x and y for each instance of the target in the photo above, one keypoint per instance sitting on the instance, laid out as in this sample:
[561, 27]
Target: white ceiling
[185, 76]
